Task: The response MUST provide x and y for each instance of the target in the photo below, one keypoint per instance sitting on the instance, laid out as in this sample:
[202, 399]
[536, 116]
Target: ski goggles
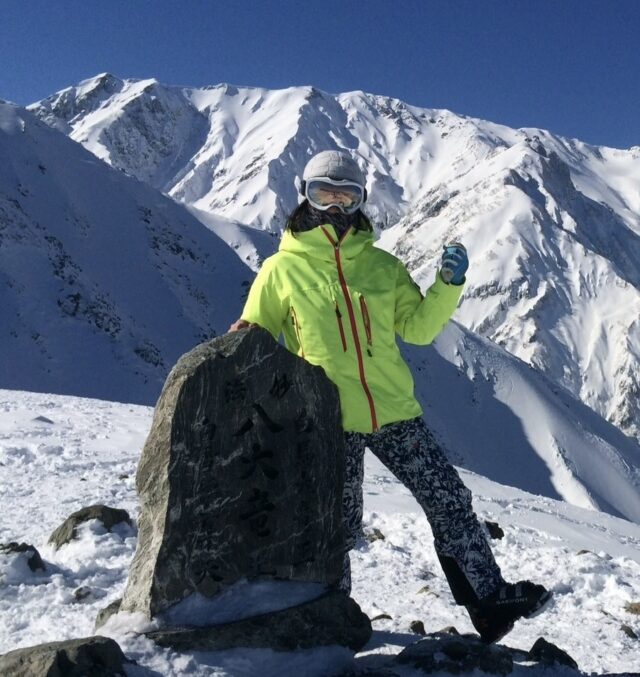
[323, 193]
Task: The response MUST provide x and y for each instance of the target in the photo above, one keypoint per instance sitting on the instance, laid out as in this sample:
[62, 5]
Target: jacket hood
[320, 242]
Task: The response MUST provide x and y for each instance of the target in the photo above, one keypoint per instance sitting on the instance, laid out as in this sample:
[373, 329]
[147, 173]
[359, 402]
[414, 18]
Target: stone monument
[240, 479]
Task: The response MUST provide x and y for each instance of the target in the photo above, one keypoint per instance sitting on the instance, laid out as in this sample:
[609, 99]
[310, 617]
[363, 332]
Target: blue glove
[454, 263]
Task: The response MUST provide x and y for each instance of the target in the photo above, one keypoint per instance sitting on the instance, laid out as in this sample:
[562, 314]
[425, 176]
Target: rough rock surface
[108, 516]
[447, 652]
[549, 654]
[456, 654]
[34, 559]
[95, 656]
[105, 614]
[331, 619]
[241, 475]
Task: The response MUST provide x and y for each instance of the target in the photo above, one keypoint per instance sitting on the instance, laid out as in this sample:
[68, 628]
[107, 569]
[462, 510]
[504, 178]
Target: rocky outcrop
[448, 652]
[95, 656]
[241, 475]
[34, 560]
[331, 619]
[109, 517]
[456, 654]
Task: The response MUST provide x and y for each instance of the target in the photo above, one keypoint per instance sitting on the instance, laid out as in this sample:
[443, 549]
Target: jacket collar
[320, 242]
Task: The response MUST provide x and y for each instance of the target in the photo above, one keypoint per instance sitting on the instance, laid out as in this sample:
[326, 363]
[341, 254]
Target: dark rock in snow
[449, 653]
[374, 535]
[241, 475]
[417, 627]
[380, 617]
[107, 612]
[549, 654]
[94, 656]
[331, 619]
[628, 631]
[34, 560]
[494, 529]
[109, 517]
[82, 593]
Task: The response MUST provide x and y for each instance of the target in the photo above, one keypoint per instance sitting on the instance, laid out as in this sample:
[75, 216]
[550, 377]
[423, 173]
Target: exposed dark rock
[549, 654]
[426, 575]
[241, 475]
[628, 631]
[374, 535]
[632, 607]
[380, 671]
[34, 560]
[107, 612]
[417, 627]
[494, 529]
[449, 653]
[331, 619]
[380, 617]
[82, 593]
[94, 656]
[109, 517]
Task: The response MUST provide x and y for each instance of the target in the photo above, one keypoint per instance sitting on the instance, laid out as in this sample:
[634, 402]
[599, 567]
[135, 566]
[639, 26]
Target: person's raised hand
[455, 263]
[241, 324]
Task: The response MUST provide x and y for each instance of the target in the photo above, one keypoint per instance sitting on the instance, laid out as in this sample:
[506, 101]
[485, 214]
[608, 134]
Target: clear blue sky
[571, 66]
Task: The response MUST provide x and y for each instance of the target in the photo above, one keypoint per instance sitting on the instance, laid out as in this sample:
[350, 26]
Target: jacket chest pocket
[339, 321]
[319, 321]
[296, 328]
[366, 320]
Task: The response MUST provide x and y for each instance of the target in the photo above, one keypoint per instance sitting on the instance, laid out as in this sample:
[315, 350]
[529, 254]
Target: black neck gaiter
[340, 221]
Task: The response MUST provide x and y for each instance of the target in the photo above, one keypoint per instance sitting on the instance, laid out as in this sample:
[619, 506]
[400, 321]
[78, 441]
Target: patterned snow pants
[411, 453]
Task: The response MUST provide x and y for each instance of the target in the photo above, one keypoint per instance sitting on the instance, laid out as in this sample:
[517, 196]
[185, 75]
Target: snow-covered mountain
[104, 282]
[556, 279]
[552, 224]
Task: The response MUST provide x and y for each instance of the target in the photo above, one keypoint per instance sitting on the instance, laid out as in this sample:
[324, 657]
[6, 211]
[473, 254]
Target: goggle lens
[324, 194]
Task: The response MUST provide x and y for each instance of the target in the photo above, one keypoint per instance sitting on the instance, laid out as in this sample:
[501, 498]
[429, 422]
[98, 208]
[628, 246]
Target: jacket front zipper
[354, 328]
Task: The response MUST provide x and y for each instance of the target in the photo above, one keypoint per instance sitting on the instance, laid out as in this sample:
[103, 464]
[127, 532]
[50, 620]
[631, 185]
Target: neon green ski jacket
[339, 304]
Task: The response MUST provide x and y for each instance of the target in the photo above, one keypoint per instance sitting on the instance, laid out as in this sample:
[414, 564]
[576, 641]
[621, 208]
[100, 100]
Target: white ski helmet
[333, 178]
[333, 164]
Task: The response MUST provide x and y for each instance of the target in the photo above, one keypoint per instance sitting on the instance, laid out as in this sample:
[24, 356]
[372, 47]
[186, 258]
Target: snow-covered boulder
[98, 656]
[19, 562]
[109, 517]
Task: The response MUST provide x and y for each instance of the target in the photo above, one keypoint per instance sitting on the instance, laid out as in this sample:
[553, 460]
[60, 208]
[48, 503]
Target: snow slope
[104, 282]
[500, 418]
[58, 454]
[552, 224]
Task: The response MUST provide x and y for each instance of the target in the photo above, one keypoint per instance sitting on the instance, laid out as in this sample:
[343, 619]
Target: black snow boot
[493, 616]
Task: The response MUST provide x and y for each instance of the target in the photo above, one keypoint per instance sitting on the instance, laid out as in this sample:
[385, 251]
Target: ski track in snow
[58, 454]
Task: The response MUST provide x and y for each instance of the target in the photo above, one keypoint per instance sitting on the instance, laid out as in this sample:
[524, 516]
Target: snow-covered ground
[58, 454]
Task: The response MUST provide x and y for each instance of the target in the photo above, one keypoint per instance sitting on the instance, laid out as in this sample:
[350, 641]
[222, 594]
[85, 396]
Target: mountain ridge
[551, 223]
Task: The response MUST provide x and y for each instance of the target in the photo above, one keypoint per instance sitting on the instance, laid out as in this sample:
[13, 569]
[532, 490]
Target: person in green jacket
[340, 301]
